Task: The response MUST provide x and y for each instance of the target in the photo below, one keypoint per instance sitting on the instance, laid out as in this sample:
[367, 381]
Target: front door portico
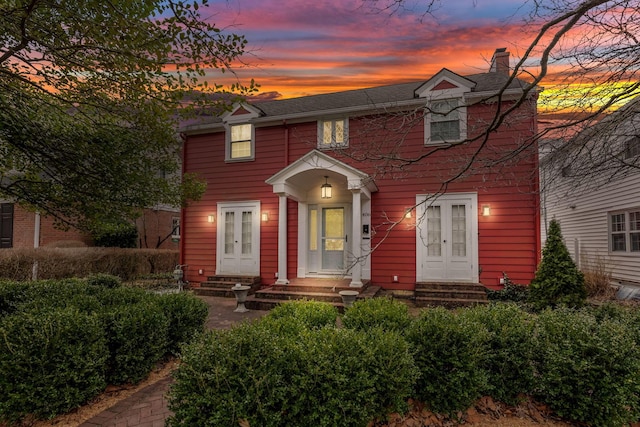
[330, 241]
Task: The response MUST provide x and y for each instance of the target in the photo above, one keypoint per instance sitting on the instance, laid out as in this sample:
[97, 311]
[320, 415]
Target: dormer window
[240, 144]
[445, 122]
[333, 133]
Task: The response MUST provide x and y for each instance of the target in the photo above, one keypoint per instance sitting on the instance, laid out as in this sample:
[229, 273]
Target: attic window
[445, 122]
[333, 133]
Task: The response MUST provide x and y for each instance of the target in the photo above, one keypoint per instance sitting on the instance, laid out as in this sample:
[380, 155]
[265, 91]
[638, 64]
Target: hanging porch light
[325, 189]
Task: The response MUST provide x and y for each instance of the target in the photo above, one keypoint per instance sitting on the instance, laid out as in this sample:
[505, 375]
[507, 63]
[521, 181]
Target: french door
[446, 246]
[238, 238]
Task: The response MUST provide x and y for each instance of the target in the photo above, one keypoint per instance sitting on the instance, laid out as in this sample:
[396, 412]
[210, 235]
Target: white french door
[446, 240]
[238, 247]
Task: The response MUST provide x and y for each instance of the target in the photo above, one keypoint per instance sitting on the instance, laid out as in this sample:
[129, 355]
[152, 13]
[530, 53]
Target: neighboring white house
[591, 185]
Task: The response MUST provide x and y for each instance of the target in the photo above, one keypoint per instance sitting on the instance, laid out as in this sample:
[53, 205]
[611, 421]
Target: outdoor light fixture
[211, 218]
[325, 189]
[486, 210]
[265, 216]
[407, 213]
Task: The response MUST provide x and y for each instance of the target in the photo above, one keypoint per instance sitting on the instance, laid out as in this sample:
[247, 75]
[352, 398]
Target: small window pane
[634, 221]
[228, 233]
[458, 230]
[618, 243]
[617, 223]
[434, 231]
[246, 232]
[635, 242]
[339, 132]
[241, 133]
[445, 120]
[240, 149]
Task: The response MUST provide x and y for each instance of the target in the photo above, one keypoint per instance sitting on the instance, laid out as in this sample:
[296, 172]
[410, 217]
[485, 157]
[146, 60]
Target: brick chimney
[500, 62]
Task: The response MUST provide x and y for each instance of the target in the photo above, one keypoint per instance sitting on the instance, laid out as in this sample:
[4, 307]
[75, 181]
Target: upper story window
[632, 147]
[175, 227]
[240, 142]
[333, 133]
[624, 231]
[446, 122]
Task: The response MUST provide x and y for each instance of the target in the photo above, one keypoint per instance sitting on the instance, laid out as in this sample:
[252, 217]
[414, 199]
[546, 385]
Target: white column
[282, 240]
[356, 240]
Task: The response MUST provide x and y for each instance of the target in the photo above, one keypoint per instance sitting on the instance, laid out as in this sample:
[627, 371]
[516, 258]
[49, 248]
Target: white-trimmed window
[240, 142]
[175, 227]
[446, 122]
[333, 133]
[624, 231]
[632, 147]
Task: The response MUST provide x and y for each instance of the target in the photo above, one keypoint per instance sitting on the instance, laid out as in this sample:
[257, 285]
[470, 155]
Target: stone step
[245, 280]
[313, 288]
[291, 295]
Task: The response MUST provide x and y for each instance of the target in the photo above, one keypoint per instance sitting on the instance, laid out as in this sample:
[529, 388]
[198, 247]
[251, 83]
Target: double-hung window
[632, 148]
[333, 133]
[445, 122]
[624, 231]
[240, 144]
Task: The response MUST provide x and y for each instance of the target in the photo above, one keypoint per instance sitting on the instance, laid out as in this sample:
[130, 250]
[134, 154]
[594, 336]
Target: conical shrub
[558, 280]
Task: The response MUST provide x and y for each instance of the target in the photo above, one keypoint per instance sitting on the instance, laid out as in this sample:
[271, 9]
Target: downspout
[286, 142]
[183, 157]
[36, 244]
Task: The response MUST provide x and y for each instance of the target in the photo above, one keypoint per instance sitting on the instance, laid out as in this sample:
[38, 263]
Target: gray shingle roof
[363, 98]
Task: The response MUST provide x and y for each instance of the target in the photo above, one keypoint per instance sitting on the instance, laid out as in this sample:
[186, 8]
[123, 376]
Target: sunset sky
[302, 47]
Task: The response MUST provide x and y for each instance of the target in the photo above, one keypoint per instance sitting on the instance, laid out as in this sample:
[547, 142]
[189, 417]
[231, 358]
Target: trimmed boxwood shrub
[186, 315]
[509, 357]
[387, 313]
[307, 377]
[51, 361]
[311, 314]
[104, 280]
[588, 369]
[137, 338]
[449, 350]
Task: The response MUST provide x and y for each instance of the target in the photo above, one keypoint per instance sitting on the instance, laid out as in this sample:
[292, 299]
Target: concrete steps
[220, 286]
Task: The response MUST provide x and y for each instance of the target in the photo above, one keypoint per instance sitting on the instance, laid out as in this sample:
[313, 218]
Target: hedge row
[296, 367]
[60, 263]
[62, 342]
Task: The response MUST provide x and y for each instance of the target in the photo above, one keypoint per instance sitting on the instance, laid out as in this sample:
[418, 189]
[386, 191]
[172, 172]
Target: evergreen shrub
[51, 361]
[137, 338]
[186, 314]
[588, 369]
[104, 280]
[557, 281]
[449, 351]
[312, 314]
[508, 361]
[386, 313]
[307, 376]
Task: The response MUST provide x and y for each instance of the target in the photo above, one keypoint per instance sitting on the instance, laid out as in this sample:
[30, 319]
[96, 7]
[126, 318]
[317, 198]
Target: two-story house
[388, 185]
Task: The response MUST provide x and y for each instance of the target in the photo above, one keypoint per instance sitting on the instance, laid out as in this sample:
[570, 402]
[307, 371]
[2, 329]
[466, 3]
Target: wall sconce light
[325, 189]
[486, 210]
[211, 218]
[407, 212]
[265, 216]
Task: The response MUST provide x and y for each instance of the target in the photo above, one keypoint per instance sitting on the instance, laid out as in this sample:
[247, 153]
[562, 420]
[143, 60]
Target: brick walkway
[148, 407]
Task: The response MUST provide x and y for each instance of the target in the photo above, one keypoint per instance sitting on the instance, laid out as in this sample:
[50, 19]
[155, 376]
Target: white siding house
[591, 186]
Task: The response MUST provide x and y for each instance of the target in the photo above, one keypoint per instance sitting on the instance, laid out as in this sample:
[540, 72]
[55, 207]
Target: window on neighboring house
[6, 225]
[333, 133]
[446, 122]
[625, 231]
[240, 142]
[632, 147]
[175, 227]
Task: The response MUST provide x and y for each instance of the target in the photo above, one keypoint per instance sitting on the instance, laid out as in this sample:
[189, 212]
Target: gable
[240, 113]
[445, 84]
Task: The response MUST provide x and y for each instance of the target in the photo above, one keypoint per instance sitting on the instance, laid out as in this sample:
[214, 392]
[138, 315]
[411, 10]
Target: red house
[391, 185]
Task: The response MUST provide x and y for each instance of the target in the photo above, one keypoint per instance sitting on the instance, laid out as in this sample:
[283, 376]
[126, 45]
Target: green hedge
[588, 369]
[61, 342]
[50, 362]
[307, 377]
[386, 313]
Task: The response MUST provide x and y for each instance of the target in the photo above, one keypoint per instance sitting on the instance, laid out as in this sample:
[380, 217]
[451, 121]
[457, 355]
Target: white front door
[238, 238]
[328, 239]
[446, 241]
